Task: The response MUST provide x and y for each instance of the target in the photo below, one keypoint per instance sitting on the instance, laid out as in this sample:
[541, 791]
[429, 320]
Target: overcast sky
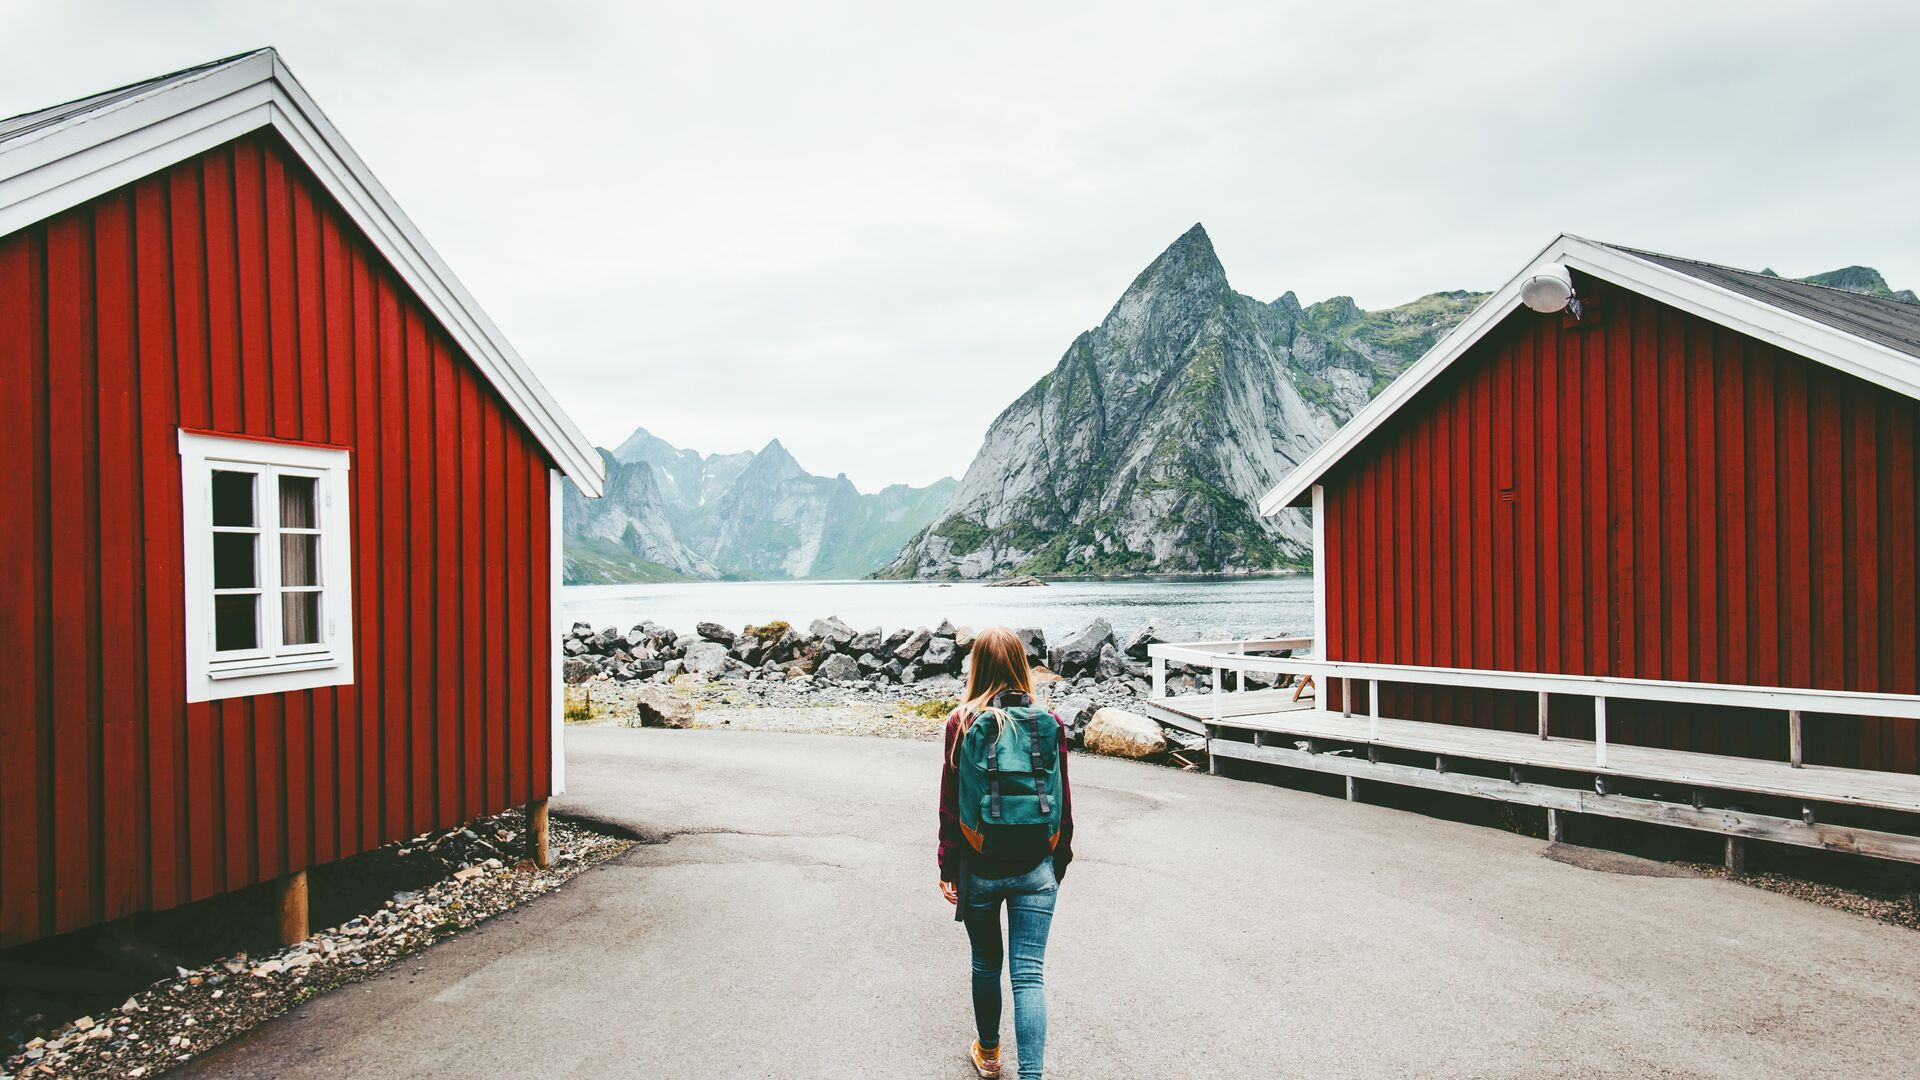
[866, 228]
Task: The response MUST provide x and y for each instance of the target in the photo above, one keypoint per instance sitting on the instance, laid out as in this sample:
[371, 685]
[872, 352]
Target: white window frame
[271, 667]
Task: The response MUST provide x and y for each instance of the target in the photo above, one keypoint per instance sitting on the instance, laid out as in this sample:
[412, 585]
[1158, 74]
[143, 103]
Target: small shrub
[769, 633]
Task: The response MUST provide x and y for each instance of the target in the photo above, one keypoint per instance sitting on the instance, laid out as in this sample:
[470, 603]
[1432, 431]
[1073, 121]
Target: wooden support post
[537, 833]
[1543, 714]
[1556, 827]
[1159, 676]
[1218, 689]
[1353, 789]
[1440, 764]
[1807, 816]
[1373, 708]
[1259, 738]
[1795, 756]
[1600, 731]
[1346, 697]
[290, 900]
[1736, 857]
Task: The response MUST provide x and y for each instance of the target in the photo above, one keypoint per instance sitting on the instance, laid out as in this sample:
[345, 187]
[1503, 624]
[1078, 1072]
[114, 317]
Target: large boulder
[963, 639]
[940, 655]
[656, 706]
[945, 629]
[1035, 639]
[1081, 653]
[706, 657]
[837, 635]
[1151, 632]
[573, 646]
[579, 669]
[746, 649]
[837, 668]
[909, 650]
[713, 631]
[1124, 734]
[1108, 666]
[894, 641]
[609, 640]
[867, 641]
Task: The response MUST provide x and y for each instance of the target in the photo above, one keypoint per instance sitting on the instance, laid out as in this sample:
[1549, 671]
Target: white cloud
[865, 228]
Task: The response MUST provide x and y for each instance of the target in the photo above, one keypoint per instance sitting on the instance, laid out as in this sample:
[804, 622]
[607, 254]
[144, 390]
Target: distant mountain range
[674, 514]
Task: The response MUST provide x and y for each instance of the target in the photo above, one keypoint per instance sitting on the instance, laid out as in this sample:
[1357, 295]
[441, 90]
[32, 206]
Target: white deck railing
[1245, 656]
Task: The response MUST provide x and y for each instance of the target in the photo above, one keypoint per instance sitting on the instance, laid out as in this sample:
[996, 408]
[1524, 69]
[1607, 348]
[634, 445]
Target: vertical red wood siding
[231, 294]
[1649, 495]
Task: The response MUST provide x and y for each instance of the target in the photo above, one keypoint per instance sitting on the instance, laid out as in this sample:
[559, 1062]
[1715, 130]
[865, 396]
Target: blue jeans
[1029, 899]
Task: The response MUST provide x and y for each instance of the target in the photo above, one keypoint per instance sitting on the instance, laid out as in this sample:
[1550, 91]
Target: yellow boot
[985, 1062]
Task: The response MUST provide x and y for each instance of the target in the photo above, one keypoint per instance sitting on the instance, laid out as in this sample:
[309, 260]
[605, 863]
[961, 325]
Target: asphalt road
[790, 927]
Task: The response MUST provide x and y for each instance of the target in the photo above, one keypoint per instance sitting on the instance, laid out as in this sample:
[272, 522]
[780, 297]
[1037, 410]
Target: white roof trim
[97, 150]
[1815, 340]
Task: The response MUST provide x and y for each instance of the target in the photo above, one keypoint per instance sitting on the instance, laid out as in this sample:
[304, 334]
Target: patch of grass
[580, 709]
[937, 709]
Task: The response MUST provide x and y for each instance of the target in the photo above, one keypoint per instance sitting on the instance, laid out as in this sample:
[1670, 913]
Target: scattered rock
[579, 669]
[713, 631]
[707, 656]
[941, 655]
[1124, 734]
[837, 635]
[656, 706]
[1035, 640]
[869, 641]
[1150, 633]
[910, 649]
[837, 668]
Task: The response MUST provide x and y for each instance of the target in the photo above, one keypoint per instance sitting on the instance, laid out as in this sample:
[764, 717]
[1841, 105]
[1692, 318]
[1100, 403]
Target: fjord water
[1228, 607]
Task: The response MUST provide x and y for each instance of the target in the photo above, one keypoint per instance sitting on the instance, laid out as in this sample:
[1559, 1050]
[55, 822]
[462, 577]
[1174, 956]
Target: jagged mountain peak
[1188, 264]
[1146, 447]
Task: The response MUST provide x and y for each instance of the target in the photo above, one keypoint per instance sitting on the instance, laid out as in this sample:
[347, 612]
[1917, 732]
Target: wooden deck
[1273, 712]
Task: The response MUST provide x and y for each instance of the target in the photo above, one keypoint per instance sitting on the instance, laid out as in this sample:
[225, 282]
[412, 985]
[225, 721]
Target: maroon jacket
[953, 851]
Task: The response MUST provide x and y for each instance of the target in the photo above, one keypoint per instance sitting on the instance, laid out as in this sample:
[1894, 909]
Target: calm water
[1279, 606]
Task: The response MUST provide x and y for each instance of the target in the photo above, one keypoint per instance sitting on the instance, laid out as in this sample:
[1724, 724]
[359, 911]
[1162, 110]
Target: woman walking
[1006, 831]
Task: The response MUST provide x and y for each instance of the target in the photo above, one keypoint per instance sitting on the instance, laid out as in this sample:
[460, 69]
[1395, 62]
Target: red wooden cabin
[281, 509]
[1665, 537]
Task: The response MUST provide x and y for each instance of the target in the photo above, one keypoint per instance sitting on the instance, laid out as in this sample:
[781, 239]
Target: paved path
[1209, 928]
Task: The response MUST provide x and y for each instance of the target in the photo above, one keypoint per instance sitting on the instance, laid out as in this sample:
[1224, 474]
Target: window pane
[233, 560]
[296, 503]
[300, 618]
[236, 623]
[299, 559]
[232, 498]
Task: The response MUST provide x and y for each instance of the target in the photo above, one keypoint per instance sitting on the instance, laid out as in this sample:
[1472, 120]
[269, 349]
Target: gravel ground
[1898, 908]
[173, 1020]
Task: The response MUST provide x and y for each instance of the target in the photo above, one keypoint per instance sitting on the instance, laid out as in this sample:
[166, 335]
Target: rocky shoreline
[830, 653]
[654, 676]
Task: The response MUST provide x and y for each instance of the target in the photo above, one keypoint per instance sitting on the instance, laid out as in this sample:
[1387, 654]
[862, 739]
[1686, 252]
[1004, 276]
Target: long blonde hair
[999, 664]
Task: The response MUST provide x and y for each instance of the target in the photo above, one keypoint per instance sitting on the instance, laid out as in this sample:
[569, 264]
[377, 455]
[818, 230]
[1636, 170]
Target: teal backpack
[1008, 766]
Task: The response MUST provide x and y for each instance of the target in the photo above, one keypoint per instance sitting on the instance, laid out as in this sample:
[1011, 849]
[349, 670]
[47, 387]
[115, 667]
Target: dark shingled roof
[1879, 319]
[28, 122]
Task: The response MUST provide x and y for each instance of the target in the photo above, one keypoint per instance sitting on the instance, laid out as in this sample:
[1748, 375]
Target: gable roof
[1873, 338]
[59, 157]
